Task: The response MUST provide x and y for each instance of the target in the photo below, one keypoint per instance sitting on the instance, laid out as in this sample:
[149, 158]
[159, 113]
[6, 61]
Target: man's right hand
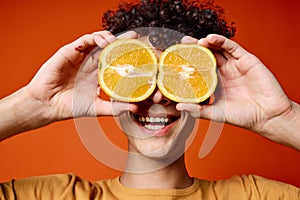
[65, 86]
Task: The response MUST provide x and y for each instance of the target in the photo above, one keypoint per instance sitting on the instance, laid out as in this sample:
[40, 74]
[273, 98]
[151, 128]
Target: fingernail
[202, 42]
[98, 91]
[188, 39]
[111, 38]
[179, 107]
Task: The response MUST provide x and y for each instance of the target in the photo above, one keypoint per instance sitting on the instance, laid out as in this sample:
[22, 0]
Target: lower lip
[158, 133]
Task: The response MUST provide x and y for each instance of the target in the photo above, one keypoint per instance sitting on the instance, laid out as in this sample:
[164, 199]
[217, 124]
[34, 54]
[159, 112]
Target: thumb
[192, 109]
[209, 112]
[106, 108]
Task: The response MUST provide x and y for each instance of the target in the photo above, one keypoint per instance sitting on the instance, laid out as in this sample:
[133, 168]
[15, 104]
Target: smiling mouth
[154, 123]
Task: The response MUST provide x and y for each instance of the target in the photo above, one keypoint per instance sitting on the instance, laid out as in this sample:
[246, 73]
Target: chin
[156, 148]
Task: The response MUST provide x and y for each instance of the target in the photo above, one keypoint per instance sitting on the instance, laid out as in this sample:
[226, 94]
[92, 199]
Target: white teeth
[154, 127]
[142, 119]
[154, 119]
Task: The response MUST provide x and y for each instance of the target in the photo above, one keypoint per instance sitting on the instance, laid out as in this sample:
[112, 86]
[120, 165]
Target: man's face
[157, 129]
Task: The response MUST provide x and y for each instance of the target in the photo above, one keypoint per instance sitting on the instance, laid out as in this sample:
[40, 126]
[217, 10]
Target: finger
[209, 112]
[84, 43]
[226, 45]
[189, 40]
[103, 38]
[98, 90]
[105, 108]
[212, 99]
[128, 35]
[107, 35]
[203, 42]
[221, 59]
[192, 109]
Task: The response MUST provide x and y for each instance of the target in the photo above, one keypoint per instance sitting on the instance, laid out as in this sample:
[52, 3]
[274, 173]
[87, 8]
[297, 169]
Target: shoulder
[57, 186]
[250, 187]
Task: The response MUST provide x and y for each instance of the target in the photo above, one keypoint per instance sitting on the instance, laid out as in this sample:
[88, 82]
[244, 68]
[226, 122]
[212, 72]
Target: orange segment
[187, 73]
[128, 83]
[129, 53]
[127, 70]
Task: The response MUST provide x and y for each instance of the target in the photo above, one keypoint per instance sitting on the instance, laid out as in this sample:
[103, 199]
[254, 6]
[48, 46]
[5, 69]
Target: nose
[158, 98]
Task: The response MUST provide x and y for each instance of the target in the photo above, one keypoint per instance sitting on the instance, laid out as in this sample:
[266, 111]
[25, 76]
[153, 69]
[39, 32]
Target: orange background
[32, 30]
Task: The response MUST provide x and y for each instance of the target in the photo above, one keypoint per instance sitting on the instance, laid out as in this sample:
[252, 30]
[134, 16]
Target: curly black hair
[189, 17]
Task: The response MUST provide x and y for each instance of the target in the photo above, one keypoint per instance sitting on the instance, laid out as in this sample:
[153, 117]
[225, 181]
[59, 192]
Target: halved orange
[127, 70]
[187, 73]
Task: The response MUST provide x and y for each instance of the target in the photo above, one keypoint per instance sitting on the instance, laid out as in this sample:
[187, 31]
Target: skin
[50, 93]
[253, 97]
[156, 155]
[164, 153]
[153, 142]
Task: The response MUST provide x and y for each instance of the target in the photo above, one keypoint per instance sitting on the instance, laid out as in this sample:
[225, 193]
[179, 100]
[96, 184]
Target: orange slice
[127, 70]
[187, 73]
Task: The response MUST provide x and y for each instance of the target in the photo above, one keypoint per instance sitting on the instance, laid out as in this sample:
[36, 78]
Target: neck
[173, 176]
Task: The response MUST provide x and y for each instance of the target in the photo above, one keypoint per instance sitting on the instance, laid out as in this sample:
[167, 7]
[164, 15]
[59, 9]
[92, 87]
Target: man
[46, 99]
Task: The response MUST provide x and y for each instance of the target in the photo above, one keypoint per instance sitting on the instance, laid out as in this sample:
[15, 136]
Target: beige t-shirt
[69, 186]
